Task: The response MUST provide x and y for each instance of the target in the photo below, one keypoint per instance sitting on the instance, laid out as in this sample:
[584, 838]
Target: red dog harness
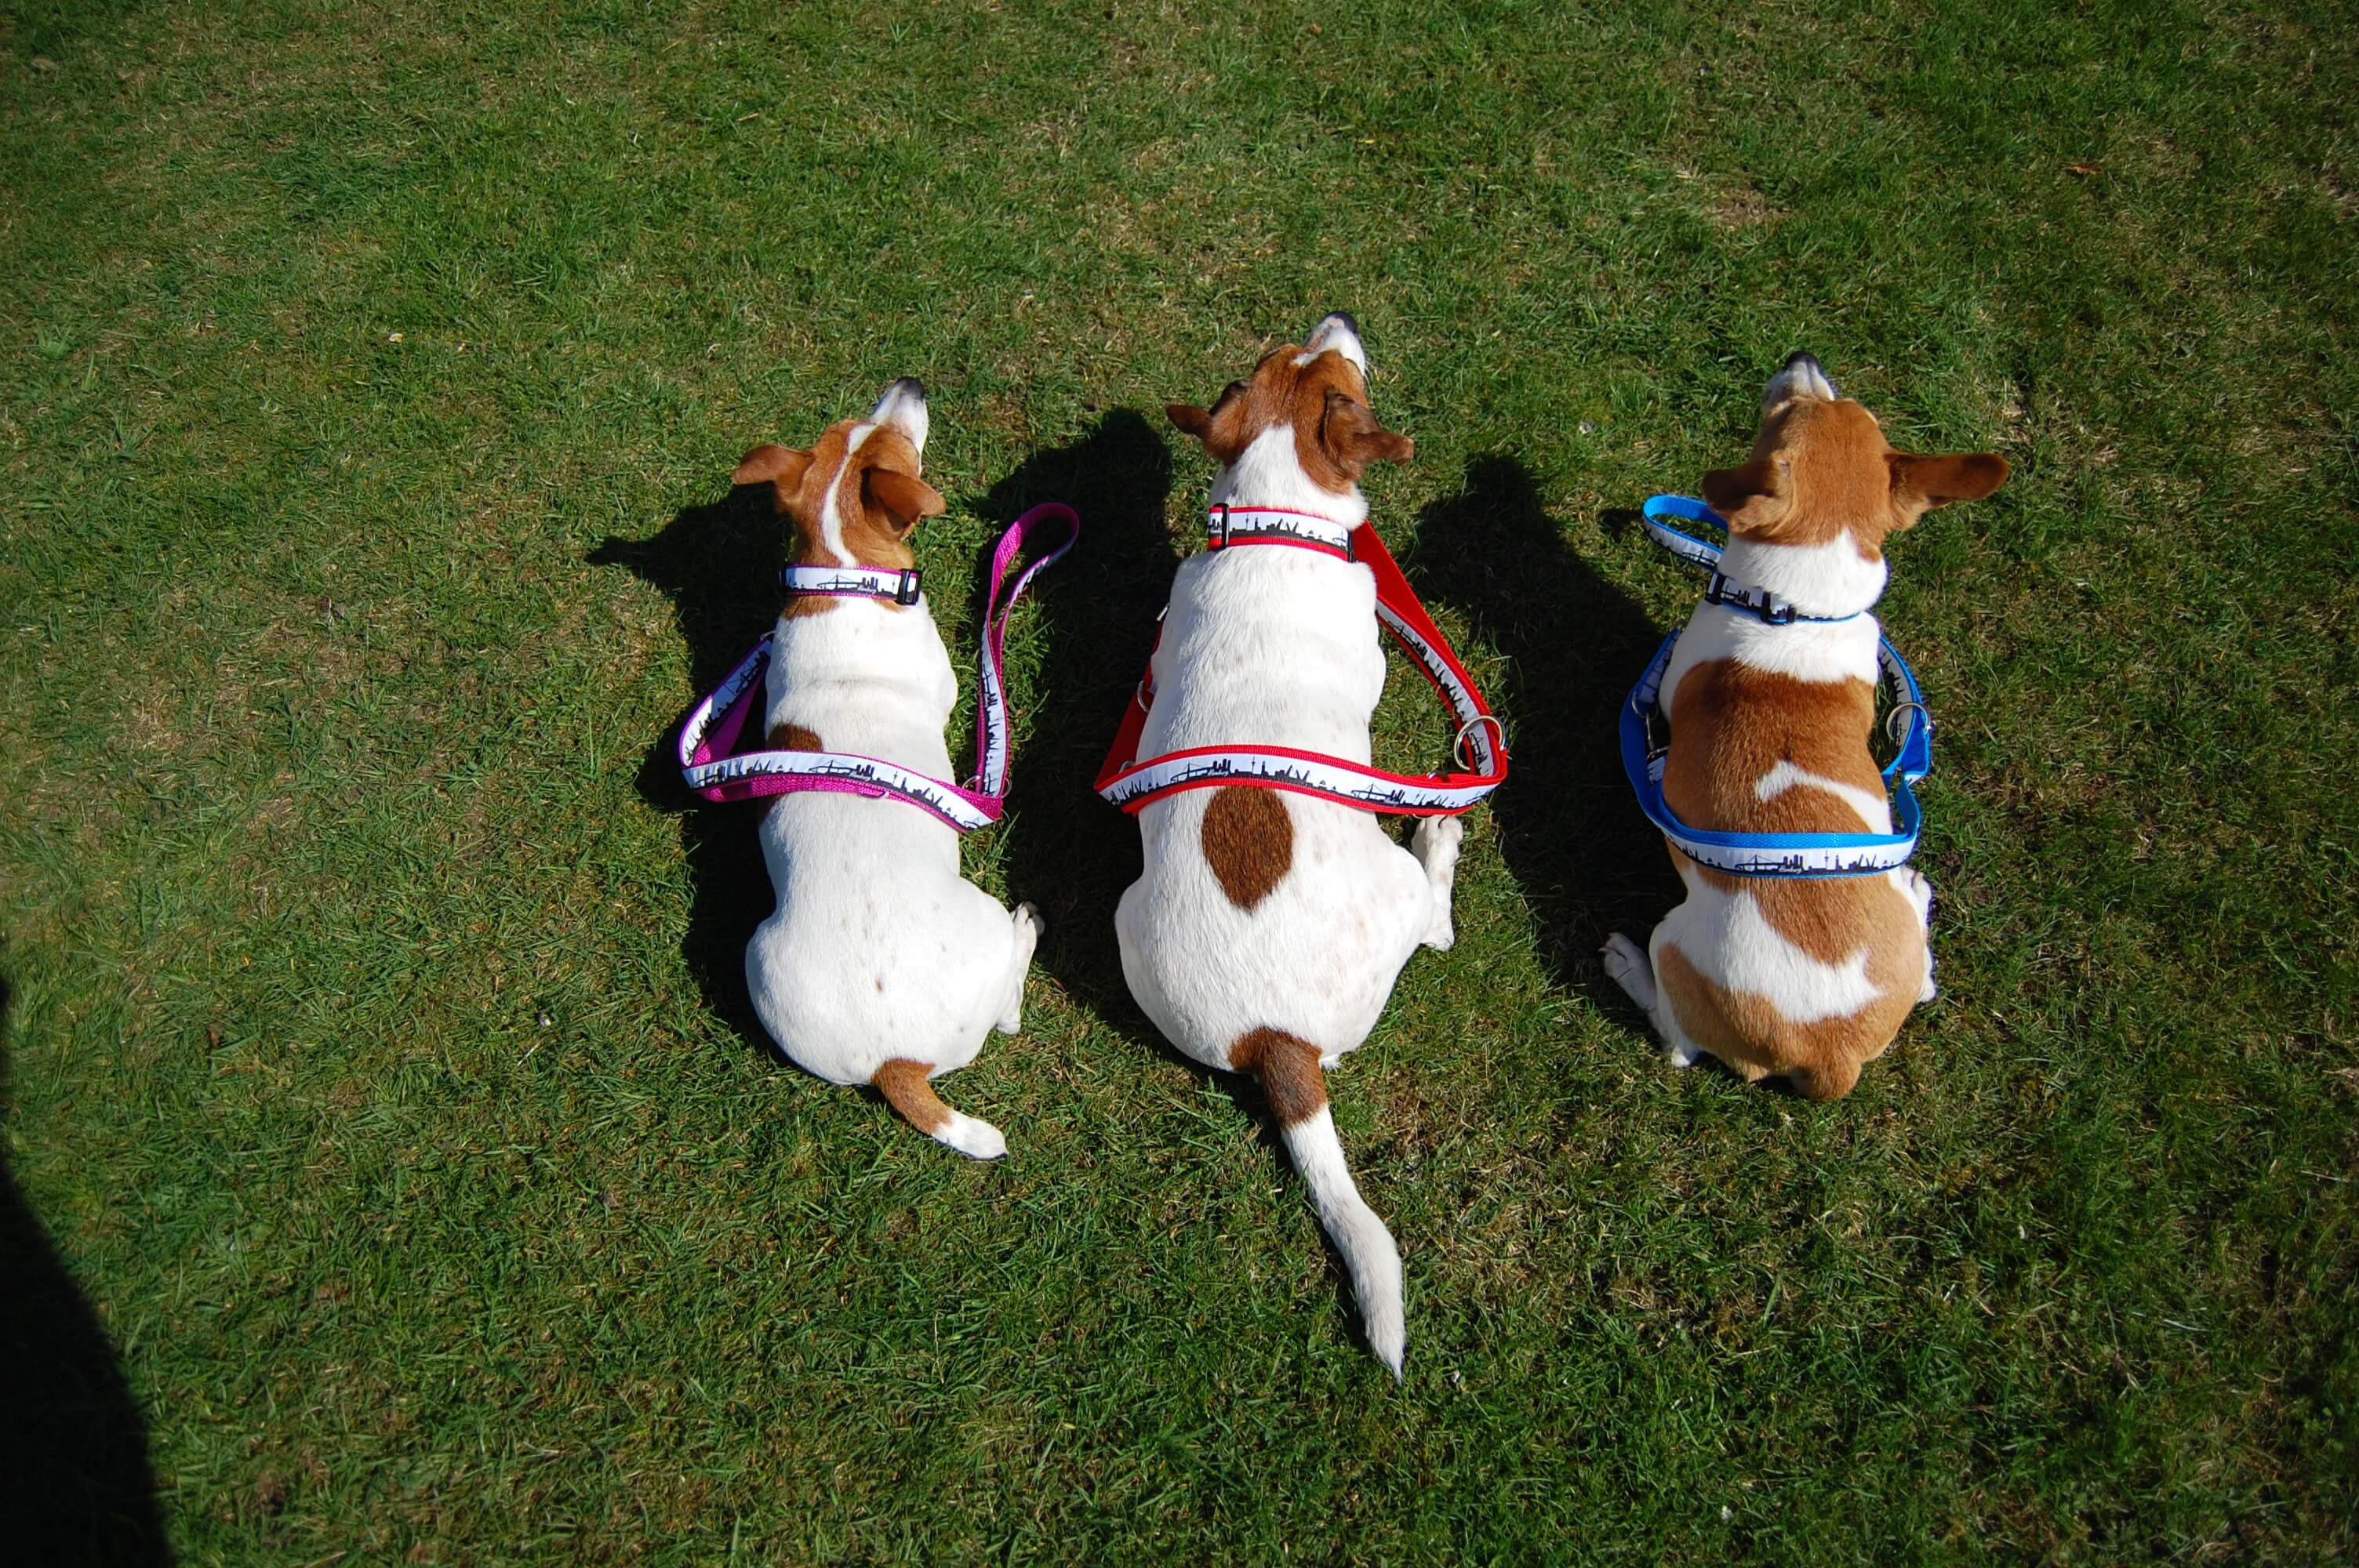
[1133, 784]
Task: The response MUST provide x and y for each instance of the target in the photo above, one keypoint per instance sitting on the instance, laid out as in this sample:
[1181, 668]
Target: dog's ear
[1352, 439]
[1746, 496]
[900, 500]
[1191, 419]
[772, 464]
[1921, 484]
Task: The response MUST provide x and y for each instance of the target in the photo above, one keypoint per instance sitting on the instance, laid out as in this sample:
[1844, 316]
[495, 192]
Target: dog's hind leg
[1435, 844]
[1630, 967]
[902, 1082]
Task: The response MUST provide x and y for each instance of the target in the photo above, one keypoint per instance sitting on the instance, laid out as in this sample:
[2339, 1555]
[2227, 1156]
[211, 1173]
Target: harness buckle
[906, 593]
[1218, 537]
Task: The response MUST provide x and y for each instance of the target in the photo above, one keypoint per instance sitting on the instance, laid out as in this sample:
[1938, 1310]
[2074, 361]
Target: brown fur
[1822, 1059]
[1248, 842]
[1336, 436]
[879, 497]
[905, 1088]
[795, 738]
[1288, 1067]
[1820, 469]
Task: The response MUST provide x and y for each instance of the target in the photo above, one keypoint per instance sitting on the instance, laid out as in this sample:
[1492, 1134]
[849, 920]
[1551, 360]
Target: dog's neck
[1268, 473]
[1821, 580]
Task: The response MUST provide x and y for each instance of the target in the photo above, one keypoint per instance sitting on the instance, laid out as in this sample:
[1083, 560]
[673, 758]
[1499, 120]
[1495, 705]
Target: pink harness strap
[714, 766]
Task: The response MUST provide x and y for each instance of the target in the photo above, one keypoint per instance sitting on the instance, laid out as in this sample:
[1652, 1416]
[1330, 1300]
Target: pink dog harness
[714, 767]
[1133, 784]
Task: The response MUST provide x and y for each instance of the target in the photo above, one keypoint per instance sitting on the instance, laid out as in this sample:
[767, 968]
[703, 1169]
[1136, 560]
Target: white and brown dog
[1266, 932]
[1802, 979]
[880, 965]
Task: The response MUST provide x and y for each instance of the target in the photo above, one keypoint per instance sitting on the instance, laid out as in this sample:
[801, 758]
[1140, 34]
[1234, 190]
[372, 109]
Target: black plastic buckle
[907, 592]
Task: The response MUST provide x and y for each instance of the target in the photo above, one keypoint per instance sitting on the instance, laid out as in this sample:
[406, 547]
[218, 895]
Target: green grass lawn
[395, 1171]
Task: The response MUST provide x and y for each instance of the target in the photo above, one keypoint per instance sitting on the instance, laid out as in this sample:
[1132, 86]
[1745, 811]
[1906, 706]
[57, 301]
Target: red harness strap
[1133, 784]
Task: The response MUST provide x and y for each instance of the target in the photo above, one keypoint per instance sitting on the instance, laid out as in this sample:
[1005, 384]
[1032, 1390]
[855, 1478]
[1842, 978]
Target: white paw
[1437, 837]
[1027, 917]
[1680, 1055]
[976, 1139]
[1627, 966]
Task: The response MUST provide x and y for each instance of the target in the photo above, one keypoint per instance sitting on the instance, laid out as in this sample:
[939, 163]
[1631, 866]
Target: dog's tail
[1288, 1070]
[902, 1082]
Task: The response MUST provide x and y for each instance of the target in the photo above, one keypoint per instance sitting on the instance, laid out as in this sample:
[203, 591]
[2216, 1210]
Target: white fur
[1873, 807]
[877, 949]
[1820, 653]
[1801, 377]
[1833, 578]
[1271, 646]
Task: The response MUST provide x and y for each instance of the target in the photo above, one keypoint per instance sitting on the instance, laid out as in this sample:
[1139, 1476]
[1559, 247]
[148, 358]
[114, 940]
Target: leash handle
[992, 746]
[714, 766]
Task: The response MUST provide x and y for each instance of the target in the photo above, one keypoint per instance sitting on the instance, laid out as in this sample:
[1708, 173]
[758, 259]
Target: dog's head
[1310, 398]
[854, 497]
[1820, 466]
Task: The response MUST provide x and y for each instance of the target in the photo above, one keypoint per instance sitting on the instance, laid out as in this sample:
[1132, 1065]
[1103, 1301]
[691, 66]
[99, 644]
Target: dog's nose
[911, 386]
[1801, 376]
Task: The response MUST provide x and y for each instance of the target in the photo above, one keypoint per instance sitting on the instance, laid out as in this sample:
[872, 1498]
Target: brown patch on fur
[795, 738]
[880, 499]
[1325, 403]
[1822, 468]
[1248, 842]
[904, 1086]
[1822, 1059]
[1288, 1067]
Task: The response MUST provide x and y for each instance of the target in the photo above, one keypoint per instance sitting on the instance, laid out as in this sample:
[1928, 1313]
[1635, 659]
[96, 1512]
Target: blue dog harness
[1807, 855]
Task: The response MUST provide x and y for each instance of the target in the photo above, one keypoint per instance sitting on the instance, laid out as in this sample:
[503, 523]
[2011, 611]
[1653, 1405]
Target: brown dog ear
[1191, 419]
[1921, 484]
[900, 499]
[1353, 438]
[772, 464]
[1746, 496]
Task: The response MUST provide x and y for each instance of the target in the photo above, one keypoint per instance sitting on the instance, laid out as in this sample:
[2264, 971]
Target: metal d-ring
[1458, 742]
[1896, 727]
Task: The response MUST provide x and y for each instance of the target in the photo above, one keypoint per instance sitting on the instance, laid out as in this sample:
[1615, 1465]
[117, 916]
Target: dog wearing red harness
[1268, 925]
[880, 965]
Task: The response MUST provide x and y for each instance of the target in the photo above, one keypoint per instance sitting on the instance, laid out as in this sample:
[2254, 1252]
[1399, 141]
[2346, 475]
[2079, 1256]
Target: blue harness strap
[1802, 855]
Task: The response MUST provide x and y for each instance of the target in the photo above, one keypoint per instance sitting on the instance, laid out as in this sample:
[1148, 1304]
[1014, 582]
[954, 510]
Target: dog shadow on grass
[1586, 860]
[76, 1484]
[1068, 852]
[718, 563]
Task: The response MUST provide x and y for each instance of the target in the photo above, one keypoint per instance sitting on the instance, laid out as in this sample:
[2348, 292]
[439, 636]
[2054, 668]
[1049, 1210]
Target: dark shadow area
[718, 563]
[1587, 859]
[75, 1483]
[1069, 853]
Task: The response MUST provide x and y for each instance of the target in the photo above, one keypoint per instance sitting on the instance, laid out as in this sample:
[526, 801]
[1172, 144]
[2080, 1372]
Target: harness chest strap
[1804, 855]
[710, 737]
[1132, 782]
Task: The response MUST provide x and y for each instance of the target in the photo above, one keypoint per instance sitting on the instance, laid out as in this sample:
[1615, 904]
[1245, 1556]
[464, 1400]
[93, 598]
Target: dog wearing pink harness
[881, 965]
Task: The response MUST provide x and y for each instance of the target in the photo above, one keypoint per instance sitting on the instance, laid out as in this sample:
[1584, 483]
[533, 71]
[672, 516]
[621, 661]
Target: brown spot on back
[904, 1084]
[795, 738]
[1248, 842]
[1288, 1067]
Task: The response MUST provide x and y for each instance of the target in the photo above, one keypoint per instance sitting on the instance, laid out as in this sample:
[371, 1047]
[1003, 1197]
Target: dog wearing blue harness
[1802, 943]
